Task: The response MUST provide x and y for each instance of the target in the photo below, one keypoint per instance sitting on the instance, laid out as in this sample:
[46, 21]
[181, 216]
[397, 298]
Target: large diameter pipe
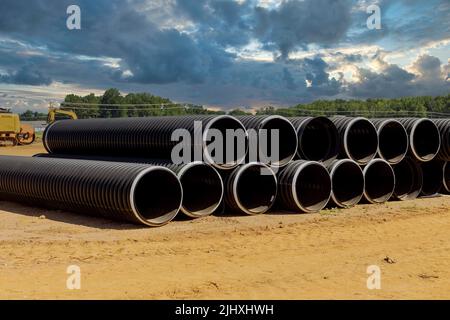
[424, 138]
[358, 139]
[379, 180]
[347, 180]
[265, 126]
[153, 137]
[444, 128]
[202, 184]
[135, 193]
[304, 186]
[408, 179]
[433, 177]
[447, 177]
[392, 140]
[317, 138]
[250, 189]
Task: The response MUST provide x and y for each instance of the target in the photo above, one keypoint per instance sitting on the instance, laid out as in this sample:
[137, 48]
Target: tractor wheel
[26, 140]
[26, 135]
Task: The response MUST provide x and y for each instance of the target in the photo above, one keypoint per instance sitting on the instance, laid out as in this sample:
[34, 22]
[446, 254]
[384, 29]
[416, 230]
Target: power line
[120, 105]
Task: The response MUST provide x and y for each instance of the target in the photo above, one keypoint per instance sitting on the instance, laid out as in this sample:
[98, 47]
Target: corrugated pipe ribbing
[347, 183]
[379, 180]
[304, 186]
[317, 138]
[264, 151]
[433, 177]
[444, 129]
[250, 189]
[137, 193]
[392, 140]
[151, 138]
[408, 179]
[424, 138]
[202, 184]
[358, 139]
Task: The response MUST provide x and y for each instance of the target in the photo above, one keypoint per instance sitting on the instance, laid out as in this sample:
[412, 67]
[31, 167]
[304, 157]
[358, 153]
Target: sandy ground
[275, 256]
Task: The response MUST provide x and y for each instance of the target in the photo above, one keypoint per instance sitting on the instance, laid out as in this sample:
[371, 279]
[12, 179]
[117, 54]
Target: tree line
[112, 104]
[422, 106]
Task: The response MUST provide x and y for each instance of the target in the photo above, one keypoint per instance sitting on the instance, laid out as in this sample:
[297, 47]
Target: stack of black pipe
[144, 170]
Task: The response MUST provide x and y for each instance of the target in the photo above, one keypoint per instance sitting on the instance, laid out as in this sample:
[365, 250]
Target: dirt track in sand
[265, 257]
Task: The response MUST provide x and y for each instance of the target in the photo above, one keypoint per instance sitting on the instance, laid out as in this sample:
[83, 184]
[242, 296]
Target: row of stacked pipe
[122, 168]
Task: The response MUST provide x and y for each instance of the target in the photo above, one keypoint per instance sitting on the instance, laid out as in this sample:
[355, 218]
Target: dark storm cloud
[223, 22]
[393, 81]
[113, 29]
[26, 75]
[121, 44]
[300, 23]
[390, 83]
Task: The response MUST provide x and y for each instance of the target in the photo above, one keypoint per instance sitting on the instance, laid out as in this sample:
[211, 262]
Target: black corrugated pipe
[447, 177]
[408, 179]
[358, 138]
[202, 184]
[379, 180]
[250, 189]
[304, 186]
[149, 138]
[347, 183]
[317, 138]
[444, 128]
[424, 138]
[287, 144]
[138, 193]
[392, 140]
[433, 177]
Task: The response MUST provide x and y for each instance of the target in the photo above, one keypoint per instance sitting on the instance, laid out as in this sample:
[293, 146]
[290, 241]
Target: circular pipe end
[224, 125]
[361, 140]
[44, 137]
[156, 196]
[254, 188]
[425, 140]
[318, 140]
[408, 180]
[347, 183]
[447, 177]
[287, 142]
[379, 181]
[202, 189]
[392, 141]
[433, 177]
[311, 187]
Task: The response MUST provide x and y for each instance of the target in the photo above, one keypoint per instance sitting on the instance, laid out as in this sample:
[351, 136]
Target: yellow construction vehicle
[53, 112]
[12, 132]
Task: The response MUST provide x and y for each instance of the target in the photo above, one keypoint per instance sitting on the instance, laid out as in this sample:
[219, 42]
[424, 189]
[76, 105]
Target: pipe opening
[361, 140]
[312, 187]
[202, 189]
[433, 176]
[347, 183]
[393, 141]
[255, 189]
[447, 177]
[408, 180]
[217, 152]
[287, 144]
[156, 196]
[317, 140]
[379, 181]
[425, 140]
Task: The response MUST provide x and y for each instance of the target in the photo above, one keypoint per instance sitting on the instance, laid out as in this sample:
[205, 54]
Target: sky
[223, 53]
